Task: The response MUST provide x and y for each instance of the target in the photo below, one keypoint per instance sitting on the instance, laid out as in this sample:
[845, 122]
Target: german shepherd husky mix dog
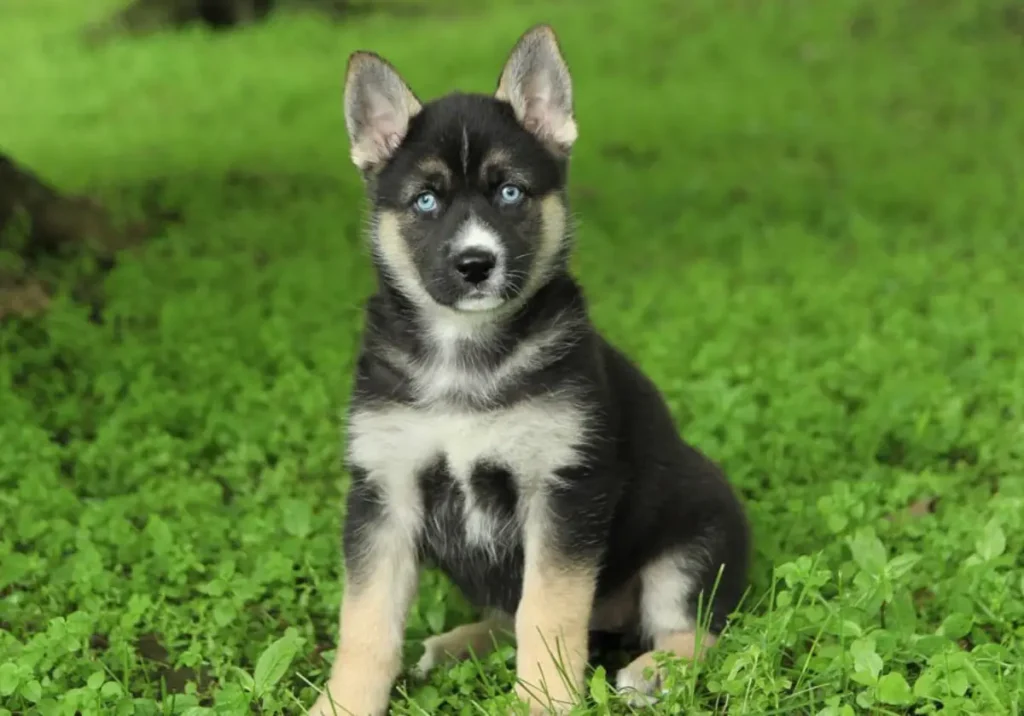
[493, 432]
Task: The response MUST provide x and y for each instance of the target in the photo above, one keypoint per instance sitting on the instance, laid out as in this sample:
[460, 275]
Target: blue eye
[510, 194]
[426, 202]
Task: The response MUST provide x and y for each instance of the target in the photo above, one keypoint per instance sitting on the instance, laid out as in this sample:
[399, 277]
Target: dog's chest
[530, 439]
[464, 479]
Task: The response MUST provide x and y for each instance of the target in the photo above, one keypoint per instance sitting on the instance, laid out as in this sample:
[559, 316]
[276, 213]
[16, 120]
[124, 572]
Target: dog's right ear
[378, 107]
[535, 81]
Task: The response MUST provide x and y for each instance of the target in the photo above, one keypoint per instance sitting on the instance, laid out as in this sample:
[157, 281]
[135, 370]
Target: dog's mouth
[480, 300]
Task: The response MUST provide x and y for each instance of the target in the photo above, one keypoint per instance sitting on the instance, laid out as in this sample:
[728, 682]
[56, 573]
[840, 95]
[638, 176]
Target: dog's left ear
[378, 107]
[536, 82]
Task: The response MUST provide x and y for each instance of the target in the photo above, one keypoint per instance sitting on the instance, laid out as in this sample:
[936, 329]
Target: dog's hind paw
[639, 689]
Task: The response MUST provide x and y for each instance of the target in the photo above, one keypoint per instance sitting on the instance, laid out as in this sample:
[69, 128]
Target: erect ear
[536, 82]
[378, 107]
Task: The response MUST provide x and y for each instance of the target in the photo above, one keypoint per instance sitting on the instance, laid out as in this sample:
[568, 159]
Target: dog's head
[467, 190]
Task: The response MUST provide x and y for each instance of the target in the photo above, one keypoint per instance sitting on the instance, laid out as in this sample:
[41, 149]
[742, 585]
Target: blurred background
[803, 219]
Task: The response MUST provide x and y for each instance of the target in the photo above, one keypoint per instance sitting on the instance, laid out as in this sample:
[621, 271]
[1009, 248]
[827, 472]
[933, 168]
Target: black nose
[474, 265]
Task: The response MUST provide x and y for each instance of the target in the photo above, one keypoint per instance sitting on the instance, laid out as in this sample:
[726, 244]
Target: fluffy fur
[493, 432]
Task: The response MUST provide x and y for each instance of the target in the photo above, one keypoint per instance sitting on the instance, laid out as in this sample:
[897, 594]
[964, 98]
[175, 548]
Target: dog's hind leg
[642, 678]
[669, 621]
[476, 639]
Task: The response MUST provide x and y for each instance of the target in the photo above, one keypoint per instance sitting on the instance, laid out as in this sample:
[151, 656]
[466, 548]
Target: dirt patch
[23, 298]
[175, 679]
[921, 507]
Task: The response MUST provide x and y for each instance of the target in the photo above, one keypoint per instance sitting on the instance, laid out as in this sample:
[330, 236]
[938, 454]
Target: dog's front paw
[329, 704]
[325, 707]
[337, 700]
[539, 704]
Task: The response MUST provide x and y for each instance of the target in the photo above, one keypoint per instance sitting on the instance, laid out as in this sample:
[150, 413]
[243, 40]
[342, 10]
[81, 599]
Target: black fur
[486, 579]
[364, 512]
[639, 491]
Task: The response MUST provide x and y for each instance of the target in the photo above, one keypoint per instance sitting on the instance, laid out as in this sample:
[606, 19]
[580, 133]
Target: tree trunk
[37, 220]
[47, 220]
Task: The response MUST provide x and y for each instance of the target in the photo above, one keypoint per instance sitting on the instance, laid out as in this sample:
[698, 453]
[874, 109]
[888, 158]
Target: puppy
[493, 432]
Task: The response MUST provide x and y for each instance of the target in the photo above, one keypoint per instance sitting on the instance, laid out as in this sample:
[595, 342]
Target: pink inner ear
[384, 122]
[548, 123]
[535, 116]
[387, 131]
[391, 142]
[381, 140]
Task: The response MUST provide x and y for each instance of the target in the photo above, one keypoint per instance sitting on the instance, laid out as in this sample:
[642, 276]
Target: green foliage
[802, 219]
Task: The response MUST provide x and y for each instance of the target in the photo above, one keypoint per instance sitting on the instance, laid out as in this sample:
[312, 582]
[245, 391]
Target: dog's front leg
[381, 573]
[553, 615]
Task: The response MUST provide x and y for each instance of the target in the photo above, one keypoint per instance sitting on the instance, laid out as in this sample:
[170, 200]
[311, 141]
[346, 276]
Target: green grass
[804, 219]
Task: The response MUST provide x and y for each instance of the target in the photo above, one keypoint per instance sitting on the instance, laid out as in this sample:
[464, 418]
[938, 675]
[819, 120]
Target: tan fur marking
[684, 644]
[551, 633]
[477, 639]
[431, 167]
[552, 213]
[434, 165]
[501, 160]
[644, 674]
[364, 667]
[391, 249]
[495, 157]
[371, 629]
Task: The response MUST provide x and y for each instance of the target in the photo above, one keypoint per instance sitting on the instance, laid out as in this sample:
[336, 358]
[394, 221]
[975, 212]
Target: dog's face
[467, 190]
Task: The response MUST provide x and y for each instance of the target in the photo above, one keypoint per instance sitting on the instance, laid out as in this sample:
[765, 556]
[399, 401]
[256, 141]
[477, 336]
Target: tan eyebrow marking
[501, 160]
[430, 169]
[434, 165]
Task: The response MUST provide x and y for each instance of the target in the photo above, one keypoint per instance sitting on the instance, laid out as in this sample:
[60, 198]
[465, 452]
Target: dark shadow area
[144, 17]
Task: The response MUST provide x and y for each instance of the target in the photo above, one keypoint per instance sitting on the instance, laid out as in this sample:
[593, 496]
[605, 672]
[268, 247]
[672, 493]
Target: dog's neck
[446, 360]
[474, 363]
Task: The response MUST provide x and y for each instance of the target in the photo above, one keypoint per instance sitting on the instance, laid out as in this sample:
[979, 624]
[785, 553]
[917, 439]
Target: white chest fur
[531, 439]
